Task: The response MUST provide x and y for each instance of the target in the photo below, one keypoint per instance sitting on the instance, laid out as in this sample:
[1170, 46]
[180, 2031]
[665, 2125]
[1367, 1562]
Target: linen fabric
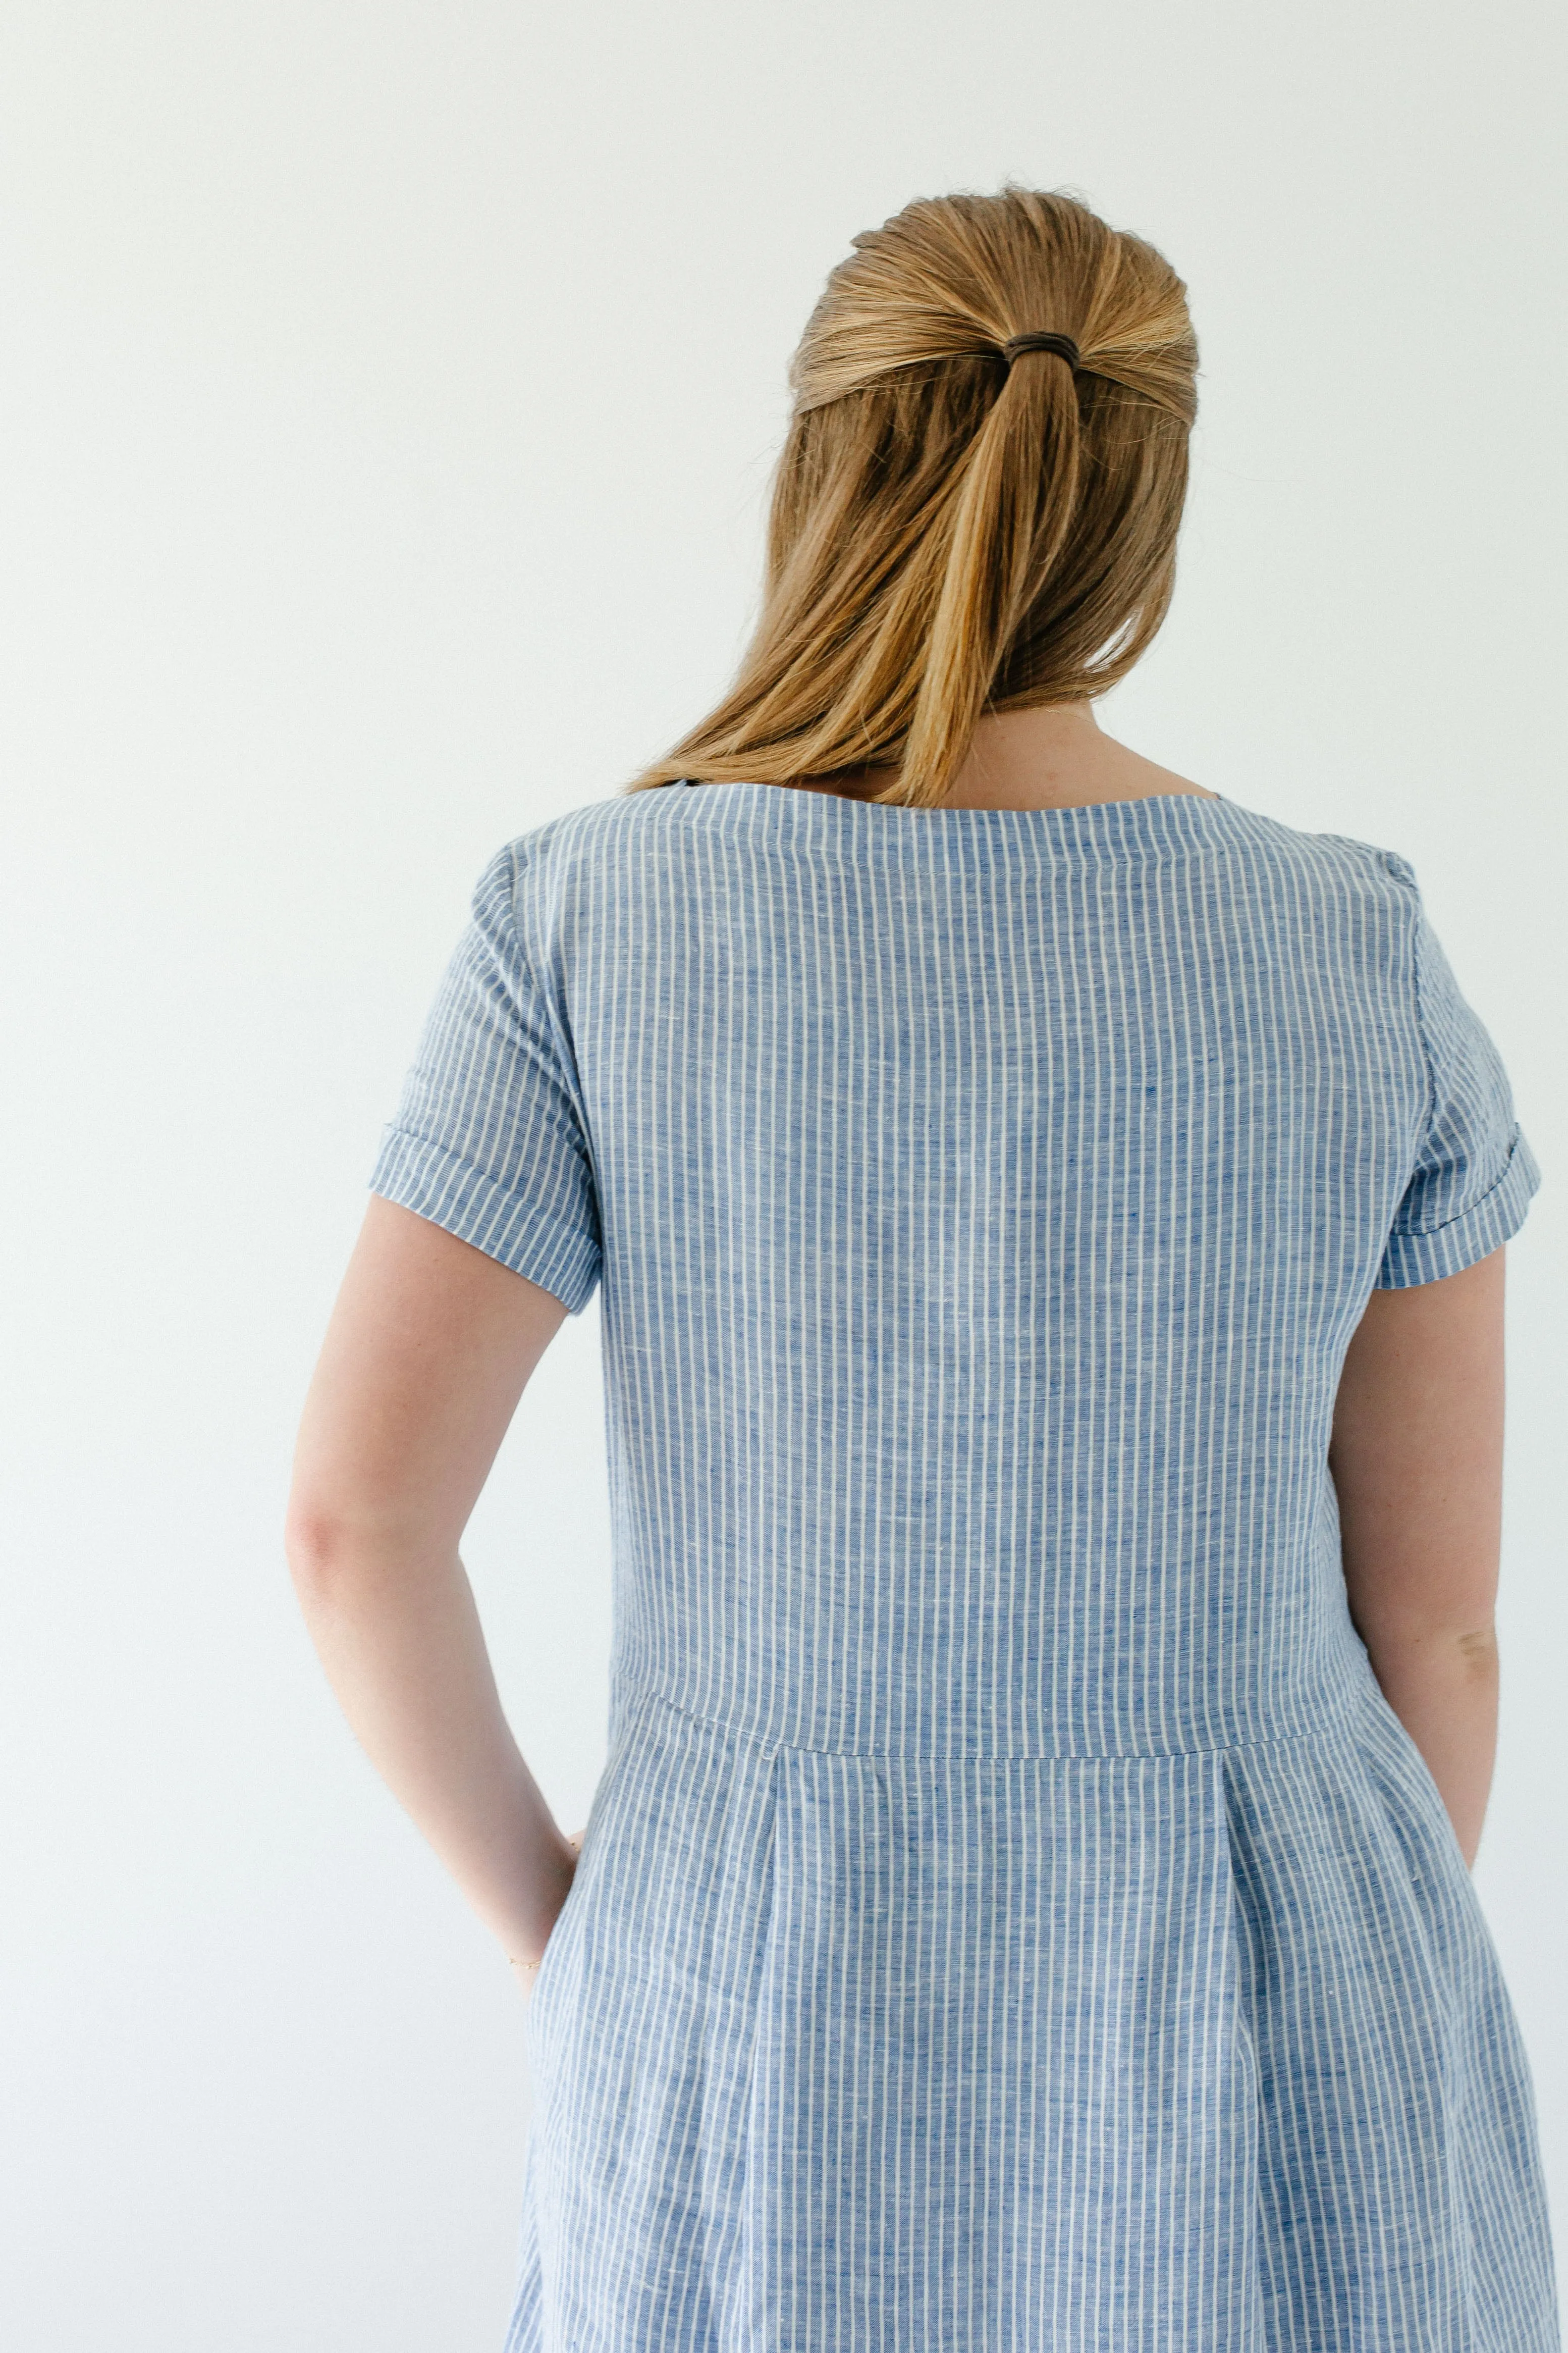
[1010, 1916]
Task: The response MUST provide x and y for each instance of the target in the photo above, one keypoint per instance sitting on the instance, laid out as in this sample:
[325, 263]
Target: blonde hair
[950, 534]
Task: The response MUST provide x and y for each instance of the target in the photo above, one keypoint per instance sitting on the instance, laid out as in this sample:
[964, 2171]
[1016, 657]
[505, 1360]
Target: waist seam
[1336, 1712]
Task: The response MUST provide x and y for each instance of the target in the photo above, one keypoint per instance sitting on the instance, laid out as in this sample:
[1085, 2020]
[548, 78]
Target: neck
[1054, 757]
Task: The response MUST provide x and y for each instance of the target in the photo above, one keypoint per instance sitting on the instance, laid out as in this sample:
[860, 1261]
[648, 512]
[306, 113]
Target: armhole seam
[1429, 1120]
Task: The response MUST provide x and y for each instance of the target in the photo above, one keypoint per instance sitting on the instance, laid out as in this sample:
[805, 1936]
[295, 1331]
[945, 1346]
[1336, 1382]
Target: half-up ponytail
[954, 531]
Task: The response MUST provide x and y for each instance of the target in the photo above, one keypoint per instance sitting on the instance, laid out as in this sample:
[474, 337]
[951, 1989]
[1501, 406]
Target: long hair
[951, 534]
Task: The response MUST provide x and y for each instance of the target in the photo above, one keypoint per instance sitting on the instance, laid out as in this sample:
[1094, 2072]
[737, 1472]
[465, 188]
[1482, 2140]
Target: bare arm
[1416, 1457]
[428, 1351]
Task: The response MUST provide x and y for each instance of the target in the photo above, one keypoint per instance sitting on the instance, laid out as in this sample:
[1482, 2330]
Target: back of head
[957, 529]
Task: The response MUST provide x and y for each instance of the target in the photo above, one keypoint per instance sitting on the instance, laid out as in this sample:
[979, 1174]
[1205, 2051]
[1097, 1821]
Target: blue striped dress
[1010, 1918]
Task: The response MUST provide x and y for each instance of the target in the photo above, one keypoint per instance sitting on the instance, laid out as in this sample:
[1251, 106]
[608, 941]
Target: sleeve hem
[1474, 1234]
[460, 1198]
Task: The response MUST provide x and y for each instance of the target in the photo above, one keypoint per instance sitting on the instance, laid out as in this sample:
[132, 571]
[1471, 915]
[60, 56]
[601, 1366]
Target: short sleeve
[488, 1140]
[1474, 1173]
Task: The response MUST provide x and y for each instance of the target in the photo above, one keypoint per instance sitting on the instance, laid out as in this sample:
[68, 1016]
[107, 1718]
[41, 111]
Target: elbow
[318, 1545]
[1478, 1652]
[332, 1550]
[343, 1552]
[1461, 1652]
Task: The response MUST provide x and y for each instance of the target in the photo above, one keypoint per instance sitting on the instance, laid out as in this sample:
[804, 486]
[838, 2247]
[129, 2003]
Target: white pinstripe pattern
[1010, 1917]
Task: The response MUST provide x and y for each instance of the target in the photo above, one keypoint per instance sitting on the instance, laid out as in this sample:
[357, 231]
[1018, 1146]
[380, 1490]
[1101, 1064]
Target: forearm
[402, 1645]
[1442, 1686]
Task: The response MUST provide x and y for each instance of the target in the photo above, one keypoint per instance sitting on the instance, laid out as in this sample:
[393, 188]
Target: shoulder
[1337, 864]
[595, 829]
[572, 850]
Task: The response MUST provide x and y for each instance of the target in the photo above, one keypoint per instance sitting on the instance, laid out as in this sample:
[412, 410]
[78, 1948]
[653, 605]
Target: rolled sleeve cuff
[1474, 1234]
[461, 1199]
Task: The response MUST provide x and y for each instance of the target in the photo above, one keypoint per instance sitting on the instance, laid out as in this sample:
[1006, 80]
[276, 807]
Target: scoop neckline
[899, 808]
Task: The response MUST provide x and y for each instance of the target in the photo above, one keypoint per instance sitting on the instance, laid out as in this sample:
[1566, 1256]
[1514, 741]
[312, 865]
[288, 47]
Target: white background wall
[386, 404]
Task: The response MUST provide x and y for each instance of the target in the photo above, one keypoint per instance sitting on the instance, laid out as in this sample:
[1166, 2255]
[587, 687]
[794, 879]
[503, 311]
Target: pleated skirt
[1204, 2052]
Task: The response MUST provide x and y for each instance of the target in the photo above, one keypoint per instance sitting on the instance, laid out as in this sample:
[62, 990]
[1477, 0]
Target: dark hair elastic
[1063, 345]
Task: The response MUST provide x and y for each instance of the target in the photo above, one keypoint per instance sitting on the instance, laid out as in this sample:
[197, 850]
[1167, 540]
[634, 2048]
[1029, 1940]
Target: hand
[528, 1971]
